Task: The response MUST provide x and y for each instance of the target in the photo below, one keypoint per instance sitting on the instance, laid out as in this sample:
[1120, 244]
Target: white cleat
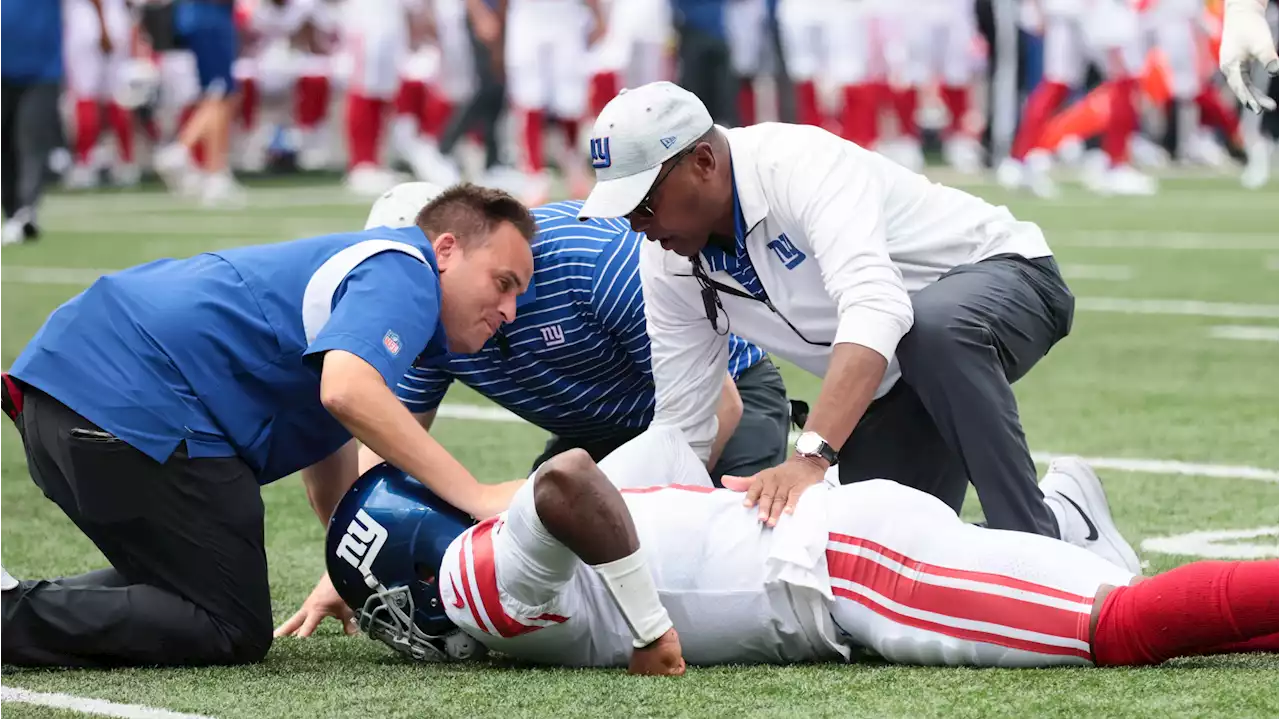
[11, 233]
[1257, 171]
[963, 154]
[222, 191]
[1036, 177]
[1125, 181]
[370, 180]
[125, 175]
[1074, 492]
[81, 177]
[7, 581]
[173, 164]
[1009, 174]
[429, 165]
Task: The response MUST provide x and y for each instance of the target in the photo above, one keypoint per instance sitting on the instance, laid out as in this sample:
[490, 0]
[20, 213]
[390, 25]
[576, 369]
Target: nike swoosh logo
[457, 596]
[1093, 531]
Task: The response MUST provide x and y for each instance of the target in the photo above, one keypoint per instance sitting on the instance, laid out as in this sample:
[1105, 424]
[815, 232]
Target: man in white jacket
[918, 304]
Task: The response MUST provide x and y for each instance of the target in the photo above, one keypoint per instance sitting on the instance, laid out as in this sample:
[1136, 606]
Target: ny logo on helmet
[362, 542]
[600, 153]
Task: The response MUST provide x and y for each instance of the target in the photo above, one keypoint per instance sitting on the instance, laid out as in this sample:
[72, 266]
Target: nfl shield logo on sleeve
[600, 153]
[391, 341]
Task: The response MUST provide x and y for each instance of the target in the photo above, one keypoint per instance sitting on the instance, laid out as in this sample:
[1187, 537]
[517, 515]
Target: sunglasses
[645, 208]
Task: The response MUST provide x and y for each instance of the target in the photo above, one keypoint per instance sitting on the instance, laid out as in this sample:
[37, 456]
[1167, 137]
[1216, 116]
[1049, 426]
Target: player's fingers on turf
[291, 625]
[349, 626]
[309, 626]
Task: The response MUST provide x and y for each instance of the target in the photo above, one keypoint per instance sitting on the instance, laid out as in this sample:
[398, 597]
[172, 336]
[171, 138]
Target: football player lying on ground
[590, 568]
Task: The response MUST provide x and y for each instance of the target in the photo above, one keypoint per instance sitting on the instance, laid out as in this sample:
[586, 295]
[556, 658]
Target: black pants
[759, 442]
[705, 71]
[188, 577]
[953, 420]
[483, 109]
[29, 131]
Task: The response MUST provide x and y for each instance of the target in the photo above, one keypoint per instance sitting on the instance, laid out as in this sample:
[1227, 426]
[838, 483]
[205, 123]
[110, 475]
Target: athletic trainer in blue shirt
[155, 403]
[575, 362]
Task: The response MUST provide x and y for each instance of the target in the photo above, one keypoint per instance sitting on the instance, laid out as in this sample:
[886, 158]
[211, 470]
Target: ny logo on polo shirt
[787, 253]
[553, 335]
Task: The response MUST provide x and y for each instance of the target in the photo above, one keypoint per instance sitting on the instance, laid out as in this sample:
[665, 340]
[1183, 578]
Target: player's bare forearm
[728, 415]
[329, 479]
[852, 377]
[355, 393]
[582, 509]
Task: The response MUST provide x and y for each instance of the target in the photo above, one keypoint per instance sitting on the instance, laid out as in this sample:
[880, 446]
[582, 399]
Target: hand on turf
[777, 490]
[1246, 37]
[661, 658]
[323, 602]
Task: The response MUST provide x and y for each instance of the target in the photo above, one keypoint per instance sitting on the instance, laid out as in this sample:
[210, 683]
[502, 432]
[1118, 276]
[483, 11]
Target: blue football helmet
[383, 550]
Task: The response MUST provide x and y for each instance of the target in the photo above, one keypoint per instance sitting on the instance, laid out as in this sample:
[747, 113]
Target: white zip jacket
[840, 238]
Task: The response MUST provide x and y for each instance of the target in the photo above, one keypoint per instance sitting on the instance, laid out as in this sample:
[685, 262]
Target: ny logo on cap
[668, 141]
[600, 153]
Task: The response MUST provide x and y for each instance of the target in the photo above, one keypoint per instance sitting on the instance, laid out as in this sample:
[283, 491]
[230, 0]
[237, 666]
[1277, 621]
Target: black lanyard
[711, 301]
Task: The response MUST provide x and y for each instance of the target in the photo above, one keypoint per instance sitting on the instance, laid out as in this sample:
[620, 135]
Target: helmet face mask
[386, 541]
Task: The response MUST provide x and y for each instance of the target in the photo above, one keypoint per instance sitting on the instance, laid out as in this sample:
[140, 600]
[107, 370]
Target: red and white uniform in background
[836, 43]
[93, 79]
[375, 39]
[455, 77]
[547, 72]
[934, 43]
[1107, 32]
[871, 564]
[1175, 29]
[746, 26]
[633, 51]
[421, 107]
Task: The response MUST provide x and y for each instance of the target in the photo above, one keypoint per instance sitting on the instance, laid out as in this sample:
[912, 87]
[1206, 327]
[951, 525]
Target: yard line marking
[52, 275]
[1248, 333]
[1217, 544]
[1156, 240]
[1191, 308]
[1122, 464]
[86, 705]
[1114, 273]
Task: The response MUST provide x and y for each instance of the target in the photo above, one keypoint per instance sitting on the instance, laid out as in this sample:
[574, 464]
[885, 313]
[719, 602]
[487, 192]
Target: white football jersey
[516, 589]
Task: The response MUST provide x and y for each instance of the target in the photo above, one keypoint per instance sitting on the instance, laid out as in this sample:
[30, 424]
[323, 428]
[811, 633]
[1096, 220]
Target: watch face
[808, 443]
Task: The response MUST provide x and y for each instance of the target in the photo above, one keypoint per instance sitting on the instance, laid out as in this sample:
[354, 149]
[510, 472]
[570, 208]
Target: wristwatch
[811, 444]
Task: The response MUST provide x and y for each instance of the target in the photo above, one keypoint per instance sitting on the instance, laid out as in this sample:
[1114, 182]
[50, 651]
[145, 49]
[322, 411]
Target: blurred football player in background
[98, 41]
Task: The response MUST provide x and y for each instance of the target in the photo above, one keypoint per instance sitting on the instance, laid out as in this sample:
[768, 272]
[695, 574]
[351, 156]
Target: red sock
[1269, 643]
[1123, 123]
[364, 125]
[807, 112]
[1188, 610]
[249, 99]
[747, 102]
[956, 98]
[122, 122]
[904, 106]
[1214, 112]
[197, 152]
[1040, 107]
[570, 128]
[411, 98]
[311, 101]
[858, 121]
[532, 136]
[88, 127]
[435, 113]
[604, 87]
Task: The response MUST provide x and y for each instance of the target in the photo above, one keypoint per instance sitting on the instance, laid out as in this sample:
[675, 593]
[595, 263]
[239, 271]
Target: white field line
[1121, 464]
[1247, 333]
[1191, 308]
[1218, 544]
[85, 705]
[1156, 240]
[1110, 273]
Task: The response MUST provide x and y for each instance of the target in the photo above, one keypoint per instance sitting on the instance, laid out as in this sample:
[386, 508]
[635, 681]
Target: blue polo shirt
[575, 361]
[31, 40]
[737, 262]
[223, 351]
[704, 15]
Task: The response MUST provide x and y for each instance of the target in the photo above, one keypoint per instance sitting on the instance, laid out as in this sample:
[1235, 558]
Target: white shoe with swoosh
[1072, 489]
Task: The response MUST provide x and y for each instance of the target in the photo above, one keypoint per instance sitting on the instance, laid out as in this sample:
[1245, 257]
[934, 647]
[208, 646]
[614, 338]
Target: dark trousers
[952, 420]
[705, 71]
[759, 442]
[29, 131]
[482, 111]
[188, 577]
